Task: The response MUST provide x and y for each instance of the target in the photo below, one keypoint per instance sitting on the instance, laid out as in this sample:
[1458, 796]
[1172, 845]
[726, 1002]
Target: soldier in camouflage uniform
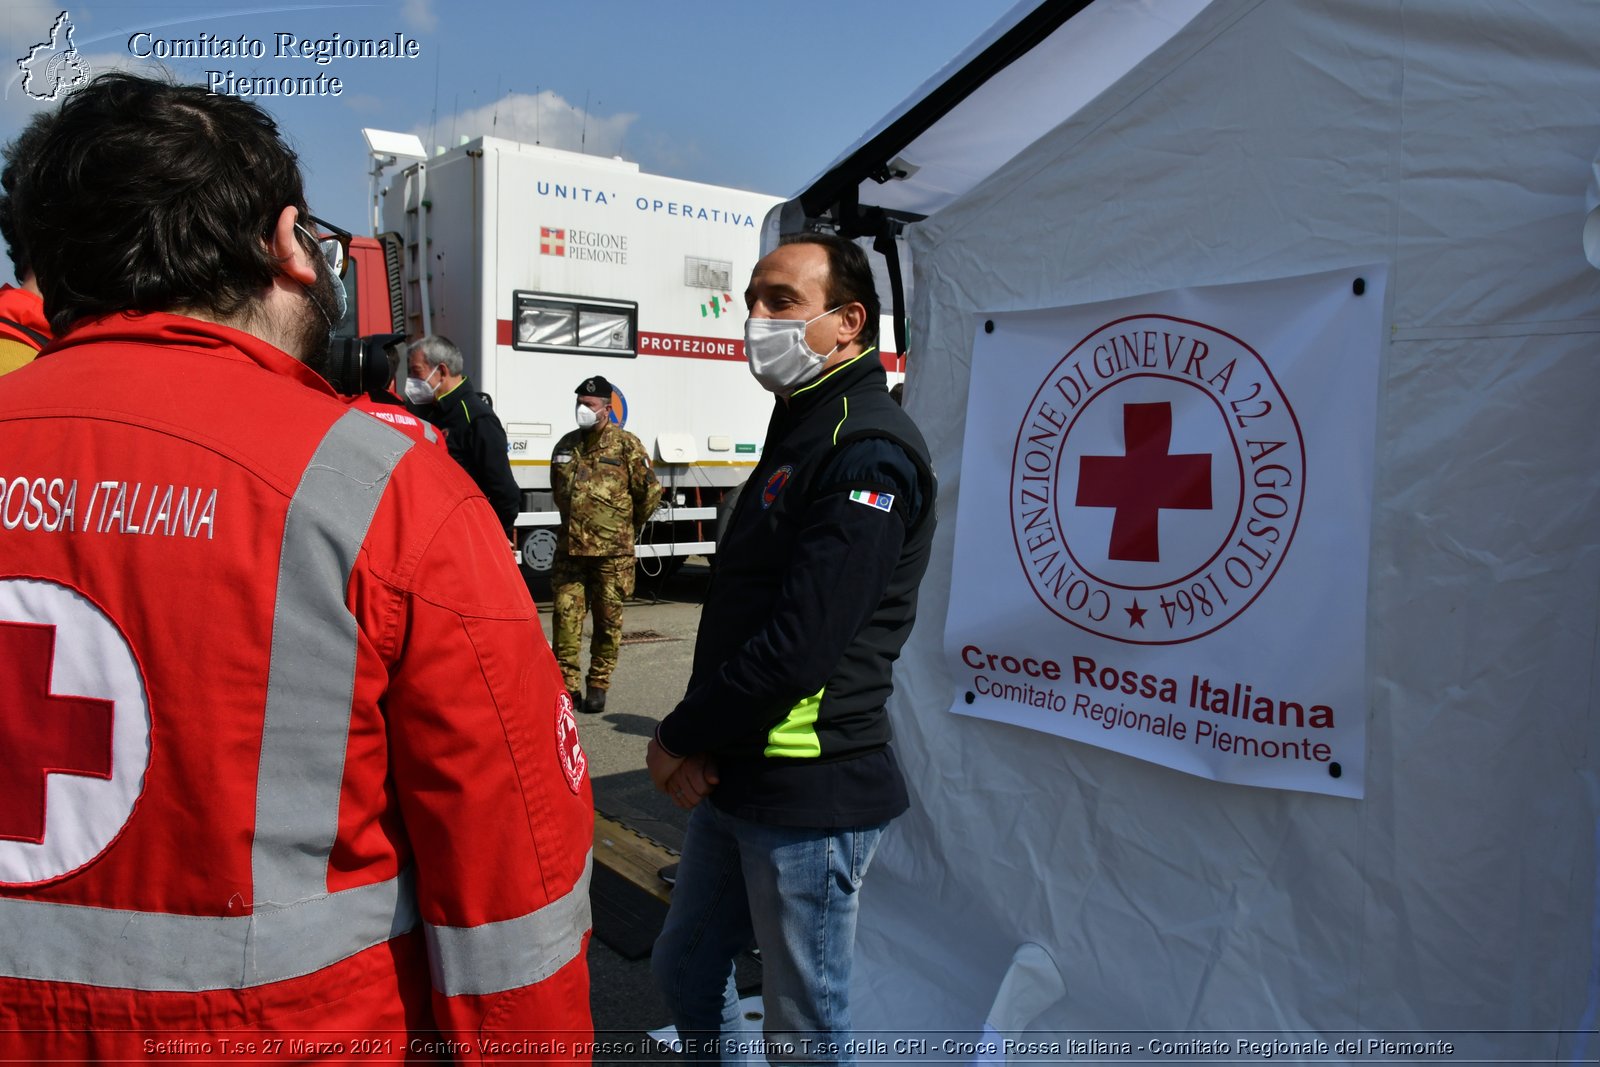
[605, 490]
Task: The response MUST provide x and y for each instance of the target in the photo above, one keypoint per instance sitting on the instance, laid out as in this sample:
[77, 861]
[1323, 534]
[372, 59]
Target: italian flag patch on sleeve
[881, 501]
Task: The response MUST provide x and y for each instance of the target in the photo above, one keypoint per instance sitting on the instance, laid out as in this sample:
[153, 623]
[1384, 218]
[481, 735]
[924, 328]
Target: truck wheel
[539, 551]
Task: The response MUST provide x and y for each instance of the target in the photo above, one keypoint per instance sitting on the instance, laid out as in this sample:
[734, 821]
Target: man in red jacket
[23, 330]
[287, 771]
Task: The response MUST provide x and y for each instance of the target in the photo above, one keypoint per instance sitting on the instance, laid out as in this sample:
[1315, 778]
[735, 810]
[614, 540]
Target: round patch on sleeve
[574, 764]
[775, 484]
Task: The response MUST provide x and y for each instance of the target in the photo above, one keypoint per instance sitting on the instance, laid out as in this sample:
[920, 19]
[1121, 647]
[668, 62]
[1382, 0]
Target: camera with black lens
[359, 365]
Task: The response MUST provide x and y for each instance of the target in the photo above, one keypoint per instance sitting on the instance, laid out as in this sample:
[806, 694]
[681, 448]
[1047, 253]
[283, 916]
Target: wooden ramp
[628, 896]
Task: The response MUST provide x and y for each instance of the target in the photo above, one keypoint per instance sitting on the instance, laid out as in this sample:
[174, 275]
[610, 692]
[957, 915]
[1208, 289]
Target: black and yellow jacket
[814, 595]
[477, 441]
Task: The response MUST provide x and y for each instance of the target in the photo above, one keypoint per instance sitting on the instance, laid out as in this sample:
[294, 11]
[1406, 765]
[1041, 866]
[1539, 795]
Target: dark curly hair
[150, 196]
[849, 278]
[17, 154]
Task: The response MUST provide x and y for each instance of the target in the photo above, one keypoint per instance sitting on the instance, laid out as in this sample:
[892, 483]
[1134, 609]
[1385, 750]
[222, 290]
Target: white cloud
[419, 15]
[363, 103]
[677, 154]
[546, 118]
[27, 23]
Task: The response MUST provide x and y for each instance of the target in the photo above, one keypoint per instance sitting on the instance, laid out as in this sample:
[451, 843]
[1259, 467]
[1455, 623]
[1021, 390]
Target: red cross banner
[1163, 527]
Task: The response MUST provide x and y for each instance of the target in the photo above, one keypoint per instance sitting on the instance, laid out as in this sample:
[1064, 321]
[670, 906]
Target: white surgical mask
[778, 354]
[588, 418]
[418, 391]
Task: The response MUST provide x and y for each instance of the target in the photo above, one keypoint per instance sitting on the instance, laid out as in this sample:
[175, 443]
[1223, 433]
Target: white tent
[1082, 153]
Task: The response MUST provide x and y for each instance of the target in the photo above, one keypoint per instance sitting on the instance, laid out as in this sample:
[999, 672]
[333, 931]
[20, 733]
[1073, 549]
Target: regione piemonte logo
[54, 67]
[1157, 481]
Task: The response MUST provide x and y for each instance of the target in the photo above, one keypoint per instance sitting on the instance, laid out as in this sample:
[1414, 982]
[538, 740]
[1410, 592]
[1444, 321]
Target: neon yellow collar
[834, 370]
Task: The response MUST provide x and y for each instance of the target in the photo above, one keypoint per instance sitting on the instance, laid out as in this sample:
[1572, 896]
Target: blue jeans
[796, 891]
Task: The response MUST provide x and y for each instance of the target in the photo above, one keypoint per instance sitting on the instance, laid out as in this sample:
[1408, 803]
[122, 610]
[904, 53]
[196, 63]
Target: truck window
[547, 322]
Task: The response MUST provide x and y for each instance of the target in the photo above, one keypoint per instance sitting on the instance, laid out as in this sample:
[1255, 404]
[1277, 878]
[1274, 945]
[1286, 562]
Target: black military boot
[577, 699]
[596, 701]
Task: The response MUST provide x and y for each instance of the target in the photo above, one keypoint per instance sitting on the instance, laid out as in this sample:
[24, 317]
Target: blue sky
[747, 93]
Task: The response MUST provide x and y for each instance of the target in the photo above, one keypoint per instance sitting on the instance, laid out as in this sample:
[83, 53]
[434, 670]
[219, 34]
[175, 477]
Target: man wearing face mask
[782, 730]
[439, 391]
[605, 490]
[377, 372]
[283, 753]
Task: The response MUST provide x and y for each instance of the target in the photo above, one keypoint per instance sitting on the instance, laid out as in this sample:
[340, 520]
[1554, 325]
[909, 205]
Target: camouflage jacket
[605, 490]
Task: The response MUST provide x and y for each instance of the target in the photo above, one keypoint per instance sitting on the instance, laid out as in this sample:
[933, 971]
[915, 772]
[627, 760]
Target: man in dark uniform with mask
[783, 727]
[439, 391]
[605, 490]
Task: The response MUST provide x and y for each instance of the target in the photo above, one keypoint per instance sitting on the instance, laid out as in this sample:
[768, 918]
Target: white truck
[546, 267]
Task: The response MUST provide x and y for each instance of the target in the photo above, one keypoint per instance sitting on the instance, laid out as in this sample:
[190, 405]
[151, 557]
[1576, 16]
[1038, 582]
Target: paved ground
[658, 640]
[659, 627]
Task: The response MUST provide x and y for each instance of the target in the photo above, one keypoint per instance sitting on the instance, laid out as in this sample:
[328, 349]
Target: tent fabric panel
[1026, 99]
[1499, 108]
[1266, 141]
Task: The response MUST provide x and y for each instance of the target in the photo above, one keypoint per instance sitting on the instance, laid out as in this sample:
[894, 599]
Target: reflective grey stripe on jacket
[157, 951]
[311, 677]
[514, 952]
[296, 926]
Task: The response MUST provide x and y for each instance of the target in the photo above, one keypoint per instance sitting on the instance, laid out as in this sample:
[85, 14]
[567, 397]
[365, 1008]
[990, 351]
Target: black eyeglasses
[335, 248]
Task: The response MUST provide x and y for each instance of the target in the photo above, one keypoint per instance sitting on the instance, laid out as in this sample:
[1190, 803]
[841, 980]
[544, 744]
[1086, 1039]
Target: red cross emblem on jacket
[42, 733]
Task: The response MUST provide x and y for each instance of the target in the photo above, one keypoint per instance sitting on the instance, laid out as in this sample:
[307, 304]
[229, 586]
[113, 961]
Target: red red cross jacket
[23, 329]
[287, 770]
[397, 416]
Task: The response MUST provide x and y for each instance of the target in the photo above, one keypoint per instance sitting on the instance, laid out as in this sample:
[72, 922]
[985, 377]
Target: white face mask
[418, 391]
[588, 418]
[778, 354]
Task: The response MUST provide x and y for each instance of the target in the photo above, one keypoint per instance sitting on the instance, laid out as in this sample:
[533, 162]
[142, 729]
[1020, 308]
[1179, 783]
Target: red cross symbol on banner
[1142, 482]
[552, 242]
[42, 733]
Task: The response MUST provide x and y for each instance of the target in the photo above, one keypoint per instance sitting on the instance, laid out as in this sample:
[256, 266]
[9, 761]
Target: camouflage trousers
[577, 585]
